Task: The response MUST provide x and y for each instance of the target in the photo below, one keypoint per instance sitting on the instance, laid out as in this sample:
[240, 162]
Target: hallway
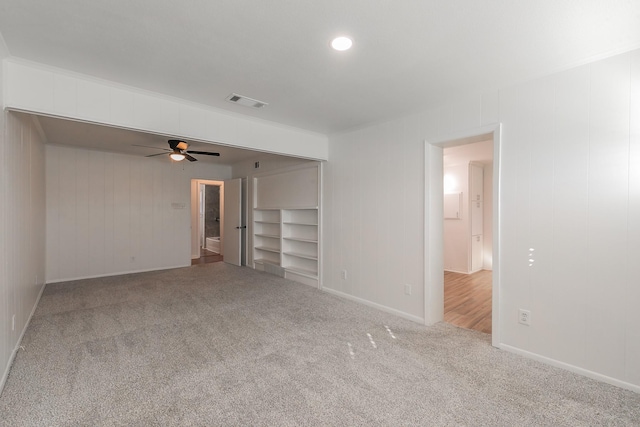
[467, 300]
[206, 257]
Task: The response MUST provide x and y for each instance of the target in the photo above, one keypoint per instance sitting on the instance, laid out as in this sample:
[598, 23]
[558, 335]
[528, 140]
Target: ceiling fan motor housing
[177, 144]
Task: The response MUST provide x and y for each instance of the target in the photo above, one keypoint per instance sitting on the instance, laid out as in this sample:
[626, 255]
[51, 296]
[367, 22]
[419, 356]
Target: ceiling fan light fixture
[177, 156]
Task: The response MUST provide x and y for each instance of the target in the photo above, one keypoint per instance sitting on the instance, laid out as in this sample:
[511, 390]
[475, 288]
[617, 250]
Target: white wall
[373, 215]
[112, 213]
[570, 189]
[22, 227]
[456, 231]
[45, 90]
[267, 163]
[6, 342]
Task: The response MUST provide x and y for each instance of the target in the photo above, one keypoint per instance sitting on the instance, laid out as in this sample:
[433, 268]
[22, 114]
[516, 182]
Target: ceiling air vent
[247, 102]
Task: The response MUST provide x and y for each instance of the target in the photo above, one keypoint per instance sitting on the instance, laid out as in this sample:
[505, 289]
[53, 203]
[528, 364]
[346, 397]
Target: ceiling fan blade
[159, 154]
[147, 146]
[190, 158]
[204, 153]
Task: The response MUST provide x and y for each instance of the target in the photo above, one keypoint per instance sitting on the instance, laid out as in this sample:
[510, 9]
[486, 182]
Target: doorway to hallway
[434, 245]
[467, 234]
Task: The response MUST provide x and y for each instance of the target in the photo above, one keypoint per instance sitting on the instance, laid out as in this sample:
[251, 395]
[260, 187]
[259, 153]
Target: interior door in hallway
[233, 221]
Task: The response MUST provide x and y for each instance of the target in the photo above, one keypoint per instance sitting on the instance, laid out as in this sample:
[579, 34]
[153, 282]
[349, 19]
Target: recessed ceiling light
[341, 43]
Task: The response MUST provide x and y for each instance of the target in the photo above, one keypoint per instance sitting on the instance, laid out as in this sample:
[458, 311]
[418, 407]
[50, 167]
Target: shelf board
[300, 223]
[303, 272]
[271, 236]
[267, 249]
[266, 209]
[298, 239]
[265, 261]
[266, 222]
[301, 255]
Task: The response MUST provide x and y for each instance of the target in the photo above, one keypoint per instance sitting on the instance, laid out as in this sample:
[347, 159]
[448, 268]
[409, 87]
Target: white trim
[7, 369]
[458, 271]
[496, 226]
[571, 368]
[374, 305]
[433, 240]
[320, 222]
[433, 310]
[119, 273]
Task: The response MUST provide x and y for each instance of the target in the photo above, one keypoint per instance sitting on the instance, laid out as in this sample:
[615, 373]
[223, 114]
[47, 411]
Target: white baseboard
[375, 305]
[571, 368]
[456, 271]
[466, 272]
[120, 273]
[7, 368]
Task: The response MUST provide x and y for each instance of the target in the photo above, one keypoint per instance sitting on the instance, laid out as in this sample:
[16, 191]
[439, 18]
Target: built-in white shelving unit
[286, 224]
[267, 236]
[287, 238]
[300, 241]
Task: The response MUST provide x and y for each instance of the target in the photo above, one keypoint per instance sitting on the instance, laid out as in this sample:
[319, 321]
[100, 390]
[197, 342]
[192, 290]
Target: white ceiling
[408, 55]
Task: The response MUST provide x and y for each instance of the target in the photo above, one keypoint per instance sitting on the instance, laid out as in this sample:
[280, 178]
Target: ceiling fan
[178, 151]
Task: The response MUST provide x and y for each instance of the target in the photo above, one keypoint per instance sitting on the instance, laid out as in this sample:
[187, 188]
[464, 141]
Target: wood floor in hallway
[206, 257]
[467, 300]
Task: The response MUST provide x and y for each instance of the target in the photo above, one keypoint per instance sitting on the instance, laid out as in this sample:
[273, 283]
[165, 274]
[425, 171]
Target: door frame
[195, 211]
[434, 223]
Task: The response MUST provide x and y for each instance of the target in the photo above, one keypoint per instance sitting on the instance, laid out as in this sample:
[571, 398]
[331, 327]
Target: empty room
[424, 213]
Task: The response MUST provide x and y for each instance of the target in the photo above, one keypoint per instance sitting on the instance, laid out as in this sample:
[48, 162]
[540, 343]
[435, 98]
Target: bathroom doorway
[207, 218]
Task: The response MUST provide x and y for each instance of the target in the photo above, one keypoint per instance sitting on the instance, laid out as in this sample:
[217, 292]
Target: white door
[232, 221]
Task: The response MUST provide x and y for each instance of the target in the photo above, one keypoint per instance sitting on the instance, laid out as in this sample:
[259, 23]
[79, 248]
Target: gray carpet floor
[218, 345]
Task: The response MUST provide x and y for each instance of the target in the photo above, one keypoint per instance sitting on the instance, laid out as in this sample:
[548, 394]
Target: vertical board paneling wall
[22, 222]
[570, 189]
[112, 214]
